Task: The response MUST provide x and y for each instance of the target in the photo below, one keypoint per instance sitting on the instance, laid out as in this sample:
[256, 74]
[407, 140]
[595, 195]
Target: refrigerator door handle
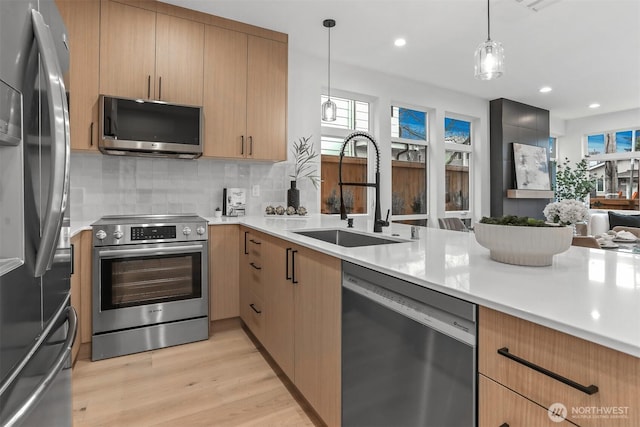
[59, 114]
[68, 314]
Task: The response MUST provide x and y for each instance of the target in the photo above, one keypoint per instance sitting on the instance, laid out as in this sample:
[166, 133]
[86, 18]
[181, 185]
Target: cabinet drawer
[252, 313]
[254, 245]
[616, 375]
[499, 406]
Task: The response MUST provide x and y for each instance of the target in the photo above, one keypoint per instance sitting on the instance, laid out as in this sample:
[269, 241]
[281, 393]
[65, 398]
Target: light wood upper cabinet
[149, 55]
[179, 60]
[225, 88]
[245, 96]
[267, 99]
[82, 19]
[224, 295]
[127, 50]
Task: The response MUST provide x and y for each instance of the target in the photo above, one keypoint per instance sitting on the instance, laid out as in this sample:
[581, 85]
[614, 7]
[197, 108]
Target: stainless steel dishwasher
[408, 353]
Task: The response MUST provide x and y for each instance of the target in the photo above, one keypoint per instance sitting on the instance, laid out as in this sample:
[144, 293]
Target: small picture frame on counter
[234, 201]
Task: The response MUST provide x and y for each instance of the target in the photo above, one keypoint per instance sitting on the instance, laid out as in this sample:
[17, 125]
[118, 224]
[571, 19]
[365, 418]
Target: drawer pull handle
[255, 241]
[591, 389]
[286, 266]
[255, 266]
[504, 425]
[254, 308]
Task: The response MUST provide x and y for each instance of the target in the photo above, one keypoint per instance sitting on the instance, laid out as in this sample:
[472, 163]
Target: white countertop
[589, 293]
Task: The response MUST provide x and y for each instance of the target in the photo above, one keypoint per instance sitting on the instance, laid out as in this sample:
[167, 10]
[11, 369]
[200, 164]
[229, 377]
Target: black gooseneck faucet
[378, 222]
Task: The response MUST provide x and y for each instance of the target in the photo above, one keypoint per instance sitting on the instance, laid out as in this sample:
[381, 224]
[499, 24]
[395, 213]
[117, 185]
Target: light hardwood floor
[224, 381]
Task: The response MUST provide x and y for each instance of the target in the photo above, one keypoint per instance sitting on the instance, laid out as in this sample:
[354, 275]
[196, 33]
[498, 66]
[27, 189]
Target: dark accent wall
[513, 121]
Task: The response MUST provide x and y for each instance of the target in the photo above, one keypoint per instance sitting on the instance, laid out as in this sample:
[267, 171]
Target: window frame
[452, 146]
[423, 143]
[341, 133]
[633, 154]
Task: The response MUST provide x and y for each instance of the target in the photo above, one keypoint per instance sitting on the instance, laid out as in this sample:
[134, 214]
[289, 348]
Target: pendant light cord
[329, 67]
[488, 22]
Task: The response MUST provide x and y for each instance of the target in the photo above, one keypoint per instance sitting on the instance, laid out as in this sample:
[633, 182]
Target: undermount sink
[348, 239]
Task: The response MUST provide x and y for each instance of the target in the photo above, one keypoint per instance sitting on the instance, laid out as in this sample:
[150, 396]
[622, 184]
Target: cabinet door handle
[91, 134]
[591, 389]
[149, 86]
[159, 88]
[73, 263]
[255, 266]
[255, 241]
[286, 266]
[242, 145]
[245, 243]
[293, 266]
[254, 308]
[251, 145]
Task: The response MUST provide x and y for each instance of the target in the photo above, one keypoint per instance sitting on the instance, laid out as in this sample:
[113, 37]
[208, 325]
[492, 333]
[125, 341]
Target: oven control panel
[148, 232]
[153, 233]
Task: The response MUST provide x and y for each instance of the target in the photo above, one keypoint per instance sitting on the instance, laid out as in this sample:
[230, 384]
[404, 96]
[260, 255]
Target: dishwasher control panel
[433, 317]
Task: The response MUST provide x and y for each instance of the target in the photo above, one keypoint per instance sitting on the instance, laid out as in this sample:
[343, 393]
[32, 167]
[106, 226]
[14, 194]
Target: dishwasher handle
[430, 316]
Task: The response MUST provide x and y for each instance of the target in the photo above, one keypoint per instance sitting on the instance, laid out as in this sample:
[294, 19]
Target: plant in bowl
[521, 240]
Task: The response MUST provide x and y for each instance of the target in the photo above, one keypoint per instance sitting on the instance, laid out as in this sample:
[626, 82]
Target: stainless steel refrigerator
[37, 324]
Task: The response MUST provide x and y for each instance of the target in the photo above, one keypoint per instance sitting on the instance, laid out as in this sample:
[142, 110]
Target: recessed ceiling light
[594, 105]
[400, 42]
[545, 89]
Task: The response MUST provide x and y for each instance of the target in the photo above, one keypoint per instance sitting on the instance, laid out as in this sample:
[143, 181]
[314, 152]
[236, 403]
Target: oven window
[128, 282]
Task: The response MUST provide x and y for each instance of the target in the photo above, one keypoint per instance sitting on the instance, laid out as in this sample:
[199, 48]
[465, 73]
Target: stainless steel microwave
[137, 127]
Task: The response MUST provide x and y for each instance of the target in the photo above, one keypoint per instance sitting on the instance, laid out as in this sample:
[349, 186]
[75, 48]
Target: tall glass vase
[293, 196]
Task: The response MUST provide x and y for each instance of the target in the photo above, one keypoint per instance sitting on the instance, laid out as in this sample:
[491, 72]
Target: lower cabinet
[598, 386]
[76, 291]
[223, 272]
[81, 289]
[501, 407]
[291, 303]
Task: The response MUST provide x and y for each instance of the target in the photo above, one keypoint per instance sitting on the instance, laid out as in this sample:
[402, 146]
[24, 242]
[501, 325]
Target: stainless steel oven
[150, 286]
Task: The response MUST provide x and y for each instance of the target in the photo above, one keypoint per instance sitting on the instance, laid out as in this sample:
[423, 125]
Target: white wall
[107, 185]
[570, 144]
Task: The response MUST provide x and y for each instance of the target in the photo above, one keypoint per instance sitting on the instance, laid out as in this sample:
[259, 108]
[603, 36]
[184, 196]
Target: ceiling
[587, 50]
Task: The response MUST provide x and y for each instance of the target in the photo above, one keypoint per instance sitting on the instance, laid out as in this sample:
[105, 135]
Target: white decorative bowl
[520, 245]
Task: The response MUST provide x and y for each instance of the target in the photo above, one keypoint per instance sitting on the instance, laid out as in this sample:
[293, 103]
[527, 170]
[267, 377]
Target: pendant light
[489, 56]
[329, 108]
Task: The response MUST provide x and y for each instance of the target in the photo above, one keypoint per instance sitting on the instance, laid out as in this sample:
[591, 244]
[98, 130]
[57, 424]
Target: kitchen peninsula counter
[588, 293]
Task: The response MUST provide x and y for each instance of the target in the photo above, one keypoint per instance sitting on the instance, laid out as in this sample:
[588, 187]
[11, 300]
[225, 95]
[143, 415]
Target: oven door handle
[111, 253]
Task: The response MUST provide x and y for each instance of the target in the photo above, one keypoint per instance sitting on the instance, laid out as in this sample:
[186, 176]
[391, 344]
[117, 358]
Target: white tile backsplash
[113, 185]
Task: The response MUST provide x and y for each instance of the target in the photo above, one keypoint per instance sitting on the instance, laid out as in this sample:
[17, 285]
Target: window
[614, 142]
[409, 165]
[613, 163]
[352, 115]
[457, 137]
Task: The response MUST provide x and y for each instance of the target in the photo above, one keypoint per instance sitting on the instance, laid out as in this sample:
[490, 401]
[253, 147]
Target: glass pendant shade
[329, 110]
[489, 60]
